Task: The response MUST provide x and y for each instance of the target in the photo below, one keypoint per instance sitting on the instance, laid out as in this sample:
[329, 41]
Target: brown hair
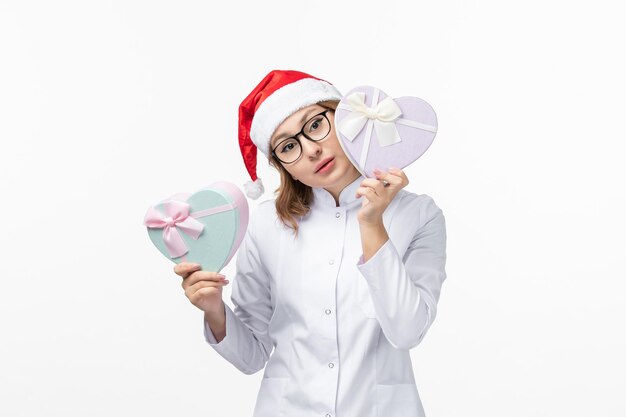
[293, 198]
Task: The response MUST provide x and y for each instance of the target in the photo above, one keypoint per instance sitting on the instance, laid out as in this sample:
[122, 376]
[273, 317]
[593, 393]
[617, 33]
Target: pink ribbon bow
[176, 217]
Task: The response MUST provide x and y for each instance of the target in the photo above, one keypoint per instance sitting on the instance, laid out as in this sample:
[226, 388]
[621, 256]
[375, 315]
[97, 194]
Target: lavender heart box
[377, 131]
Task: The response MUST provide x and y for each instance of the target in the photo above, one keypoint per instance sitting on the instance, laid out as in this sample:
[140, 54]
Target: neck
[336, 191]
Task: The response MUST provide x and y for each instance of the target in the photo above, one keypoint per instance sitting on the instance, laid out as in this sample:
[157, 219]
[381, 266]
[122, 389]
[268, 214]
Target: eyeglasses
[315, 129]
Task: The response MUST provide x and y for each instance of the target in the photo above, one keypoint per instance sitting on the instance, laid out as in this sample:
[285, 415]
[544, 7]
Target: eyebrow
[304, 118]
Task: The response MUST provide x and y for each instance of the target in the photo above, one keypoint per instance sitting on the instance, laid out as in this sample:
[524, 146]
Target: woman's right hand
[202, 288]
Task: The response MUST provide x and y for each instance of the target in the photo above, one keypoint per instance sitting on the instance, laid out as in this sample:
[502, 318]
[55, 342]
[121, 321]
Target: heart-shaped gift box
[376, 131]
[205, 227]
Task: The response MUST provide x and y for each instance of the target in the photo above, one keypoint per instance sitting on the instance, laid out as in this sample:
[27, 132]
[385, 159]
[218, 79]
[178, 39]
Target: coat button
[327, 311]
[331, 262]
[328, 415]
[331, 365]
[337, 215]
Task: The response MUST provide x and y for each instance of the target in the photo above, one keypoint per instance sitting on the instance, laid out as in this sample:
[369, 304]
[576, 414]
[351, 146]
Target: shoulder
[410, 216]
[263, 218]
[266, 208]
[421, 206]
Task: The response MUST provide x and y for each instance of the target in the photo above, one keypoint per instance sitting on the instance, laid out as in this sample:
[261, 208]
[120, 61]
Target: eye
[288, 146]
[315, 124]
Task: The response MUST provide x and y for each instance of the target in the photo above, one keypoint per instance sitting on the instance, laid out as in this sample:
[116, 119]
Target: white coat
[332, 332]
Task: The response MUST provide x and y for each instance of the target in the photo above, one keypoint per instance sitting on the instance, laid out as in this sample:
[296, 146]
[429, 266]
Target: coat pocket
[269, 402]
[398, 400]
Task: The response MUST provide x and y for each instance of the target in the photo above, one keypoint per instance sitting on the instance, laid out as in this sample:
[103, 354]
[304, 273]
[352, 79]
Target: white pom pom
[254, 189]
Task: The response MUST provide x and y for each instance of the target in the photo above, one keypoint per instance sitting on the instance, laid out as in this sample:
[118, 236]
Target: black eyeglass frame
[301, 132]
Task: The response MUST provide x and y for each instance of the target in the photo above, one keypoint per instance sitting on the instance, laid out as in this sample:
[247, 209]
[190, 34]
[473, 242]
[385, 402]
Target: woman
[336, 279]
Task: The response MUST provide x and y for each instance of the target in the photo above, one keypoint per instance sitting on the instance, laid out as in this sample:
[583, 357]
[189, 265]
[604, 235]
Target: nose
[310, 148]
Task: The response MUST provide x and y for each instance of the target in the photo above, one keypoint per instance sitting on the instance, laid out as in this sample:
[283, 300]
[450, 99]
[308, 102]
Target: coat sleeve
[247, 344]
[405, 289]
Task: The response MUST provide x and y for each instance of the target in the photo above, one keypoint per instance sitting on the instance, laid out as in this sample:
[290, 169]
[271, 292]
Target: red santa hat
[280, 94]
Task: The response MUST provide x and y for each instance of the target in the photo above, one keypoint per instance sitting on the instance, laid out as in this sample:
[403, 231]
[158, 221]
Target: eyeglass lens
[290, 149]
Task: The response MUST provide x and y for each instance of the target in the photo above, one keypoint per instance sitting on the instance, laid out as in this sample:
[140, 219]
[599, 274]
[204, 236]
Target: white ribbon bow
[382, 115]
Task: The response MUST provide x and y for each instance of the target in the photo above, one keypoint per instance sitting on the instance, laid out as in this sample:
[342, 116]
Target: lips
[322, 164]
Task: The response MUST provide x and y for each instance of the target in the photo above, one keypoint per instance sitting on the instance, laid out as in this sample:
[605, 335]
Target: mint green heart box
[205, 227]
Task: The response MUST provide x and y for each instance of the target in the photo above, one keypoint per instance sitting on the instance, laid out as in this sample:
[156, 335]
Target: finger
[369, 182]
[185, 268]
[367, 192]
[382, 175]
[205, 284]
[373, 183]
[202, 276]
[379, 188]
[399, 173]
[390, 178]
[198, 277]
[201, 293]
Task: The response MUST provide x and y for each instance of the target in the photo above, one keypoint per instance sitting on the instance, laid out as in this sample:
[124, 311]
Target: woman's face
[322, 164]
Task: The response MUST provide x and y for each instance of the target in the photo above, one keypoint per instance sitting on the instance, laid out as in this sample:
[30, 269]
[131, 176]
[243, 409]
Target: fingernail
[196, 266]
[221, 276]
[377, 171]
[226, 281]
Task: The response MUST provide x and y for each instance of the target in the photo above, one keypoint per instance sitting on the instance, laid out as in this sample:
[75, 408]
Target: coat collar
[347, 197]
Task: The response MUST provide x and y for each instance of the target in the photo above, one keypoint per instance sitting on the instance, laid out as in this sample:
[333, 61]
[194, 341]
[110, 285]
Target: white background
[107, 107]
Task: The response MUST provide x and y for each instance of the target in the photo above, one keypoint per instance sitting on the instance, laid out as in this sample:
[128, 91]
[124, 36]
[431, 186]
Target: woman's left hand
[377, 196]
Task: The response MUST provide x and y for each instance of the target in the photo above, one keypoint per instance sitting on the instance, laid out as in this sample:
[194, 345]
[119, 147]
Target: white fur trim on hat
[254, 189]
[283, 103]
